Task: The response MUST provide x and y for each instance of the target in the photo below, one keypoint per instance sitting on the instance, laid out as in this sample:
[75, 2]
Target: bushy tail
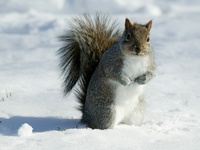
[83, 45]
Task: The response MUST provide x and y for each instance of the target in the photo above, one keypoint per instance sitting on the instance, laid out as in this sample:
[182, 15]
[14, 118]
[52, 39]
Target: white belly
[126, 102]
[127, 97]
[135, 66]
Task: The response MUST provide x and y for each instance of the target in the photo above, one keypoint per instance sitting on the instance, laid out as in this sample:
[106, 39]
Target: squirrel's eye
[148, 39]
[128, 36]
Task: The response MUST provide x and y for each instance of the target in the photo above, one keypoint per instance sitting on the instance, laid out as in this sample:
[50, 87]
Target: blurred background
[149, 7]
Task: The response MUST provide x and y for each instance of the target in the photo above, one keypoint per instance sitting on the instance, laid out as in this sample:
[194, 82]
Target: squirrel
[110, 67]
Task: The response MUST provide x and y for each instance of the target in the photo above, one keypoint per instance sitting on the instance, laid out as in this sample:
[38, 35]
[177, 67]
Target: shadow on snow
[39, 124]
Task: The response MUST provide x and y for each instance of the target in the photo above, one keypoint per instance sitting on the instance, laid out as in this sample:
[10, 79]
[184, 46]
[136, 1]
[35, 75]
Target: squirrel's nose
[137, 49]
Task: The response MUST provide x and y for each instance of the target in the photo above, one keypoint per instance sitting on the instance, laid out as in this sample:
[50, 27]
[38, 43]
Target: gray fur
[87, 38]
[99, 111]
[100, 106]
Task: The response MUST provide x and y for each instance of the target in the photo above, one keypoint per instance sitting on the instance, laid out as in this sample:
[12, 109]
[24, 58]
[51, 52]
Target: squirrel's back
[83, 45]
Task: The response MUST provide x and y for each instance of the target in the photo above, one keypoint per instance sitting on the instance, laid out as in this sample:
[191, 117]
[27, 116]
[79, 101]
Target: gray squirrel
[111, 69]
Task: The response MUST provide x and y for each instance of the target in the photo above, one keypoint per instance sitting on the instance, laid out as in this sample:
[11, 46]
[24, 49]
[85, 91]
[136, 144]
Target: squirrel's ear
[128, 24]
[148, 25]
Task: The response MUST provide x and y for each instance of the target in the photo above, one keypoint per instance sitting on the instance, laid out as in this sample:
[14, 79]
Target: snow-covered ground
[35, 115]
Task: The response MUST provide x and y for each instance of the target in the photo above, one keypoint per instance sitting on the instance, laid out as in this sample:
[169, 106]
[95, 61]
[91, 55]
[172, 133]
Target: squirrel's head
[135, 40]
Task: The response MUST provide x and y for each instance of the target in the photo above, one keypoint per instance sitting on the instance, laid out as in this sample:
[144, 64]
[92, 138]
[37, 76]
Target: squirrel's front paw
[141, 79]
[125, 80]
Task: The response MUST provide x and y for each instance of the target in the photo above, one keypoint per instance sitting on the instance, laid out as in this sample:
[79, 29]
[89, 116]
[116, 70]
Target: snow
[25, 130]
[30, 85]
